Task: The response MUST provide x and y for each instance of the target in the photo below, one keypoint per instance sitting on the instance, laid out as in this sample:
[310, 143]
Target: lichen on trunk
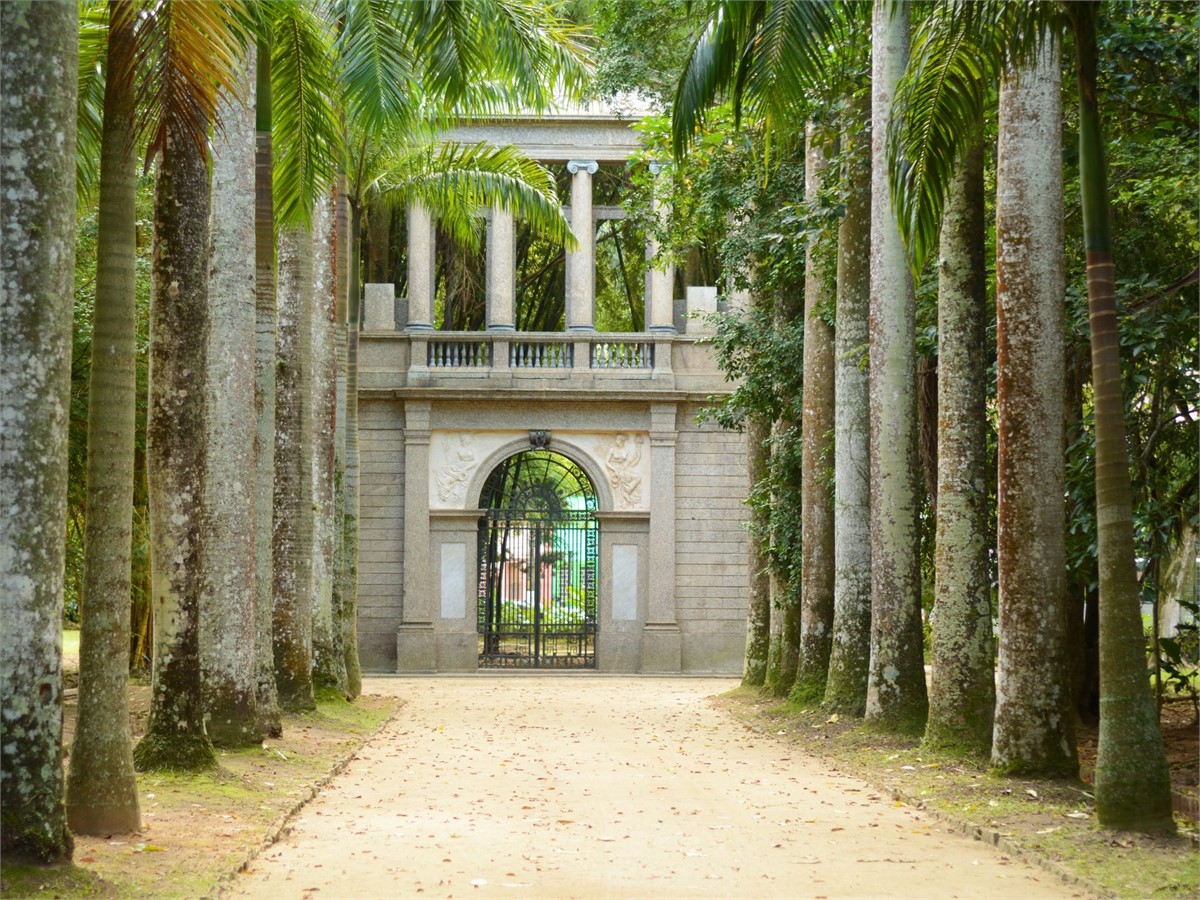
[38, 72]
[1034, 730]
[896, 696]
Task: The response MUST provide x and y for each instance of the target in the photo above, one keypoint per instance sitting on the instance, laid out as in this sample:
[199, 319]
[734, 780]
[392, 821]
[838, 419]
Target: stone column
[660, 311]
[581, 263]
[501, 271]
[421, 269]
[661, 641]
[416, 649]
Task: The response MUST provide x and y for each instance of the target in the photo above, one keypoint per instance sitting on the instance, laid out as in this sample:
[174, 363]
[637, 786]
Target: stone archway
[538, 564]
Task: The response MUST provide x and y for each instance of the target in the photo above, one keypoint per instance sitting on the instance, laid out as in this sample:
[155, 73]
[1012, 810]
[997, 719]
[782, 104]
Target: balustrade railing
[622, 355]
[556, 354]
[460, 353]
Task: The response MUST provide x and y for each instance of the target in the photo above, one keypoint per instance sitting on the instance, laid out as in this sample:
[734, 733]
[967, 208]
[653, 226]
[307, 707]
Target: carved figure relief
[621, 464]
[456, 472]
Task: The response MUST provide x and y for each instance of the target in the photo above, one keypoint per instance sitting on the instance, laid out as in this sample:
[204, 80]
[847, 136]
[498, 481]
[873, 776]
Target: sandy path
[578, 786]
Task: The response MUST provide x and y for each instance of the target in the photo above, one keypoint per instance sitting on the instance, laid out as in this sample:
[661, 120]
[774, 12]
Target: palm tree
[968, 45]
[963, 693]
[37, 144]
[896, 697]
[816, 496]
[192, 50]
[227, 604]
[101, 787]
[846, 687]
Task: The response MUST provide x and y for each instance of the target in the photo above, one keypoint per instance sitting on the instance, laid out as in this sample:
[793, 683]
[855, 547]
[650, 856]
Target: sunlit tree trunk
[266, 694]
[329, 664]
[816, 502]
[896, 696]
[292, 621]
[101, 788]
[962, 693]
[227, 604]
[1133, 784]
[846, 688]
[38, 74]
[179, 323]
[349, 580]
[342, 625]
[758, 613]
[1034, 722]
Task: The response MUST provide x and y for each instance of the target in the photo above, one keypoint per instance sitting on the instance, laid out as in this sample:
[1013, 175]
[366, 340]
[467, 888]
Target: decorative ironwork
[538, 564]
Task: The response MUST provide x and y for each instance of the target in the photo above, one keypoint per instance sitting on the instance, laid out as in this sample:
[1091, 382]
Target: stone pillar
[661, 641]
[379, 307]
[501, 271]
[416, 648]
[421, 269]
[581, 263]
[660, 311]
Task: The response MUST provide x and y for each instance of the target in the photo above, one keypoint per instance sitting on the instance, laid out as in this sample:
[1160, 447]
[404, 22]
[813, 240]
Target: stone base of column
[416, 647]
[458, 651]
[662, 648]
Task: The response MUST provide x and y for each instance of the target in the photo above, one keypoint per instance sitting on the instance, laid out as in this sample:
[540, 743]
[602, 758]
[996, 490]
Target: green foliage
[641, 46]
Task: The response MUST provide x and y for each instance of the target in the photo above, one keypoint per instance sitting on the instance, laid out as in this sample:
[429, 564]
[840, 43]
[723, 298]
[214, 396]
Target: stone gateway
[546, 499]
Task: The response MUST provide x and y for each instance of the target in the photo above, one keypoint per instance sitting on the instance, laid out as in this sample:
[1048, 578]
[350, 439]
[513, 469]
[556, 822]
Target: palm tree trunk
[1034, 730]
[896, 697]
[816, 497]
[227, 604]
[37, 218]
[266, 694]
[179, 322]
[292, 558]
[350, 481]
[758, 613]
[101, 786]
[329, 663]
[342, 265]
[846, 688]
[963, 690]
[1133, 784]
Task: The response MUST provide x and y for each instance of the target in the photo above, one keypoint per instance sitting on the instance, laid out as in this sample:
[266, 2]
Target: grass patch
[1048, 821]
[199, 829]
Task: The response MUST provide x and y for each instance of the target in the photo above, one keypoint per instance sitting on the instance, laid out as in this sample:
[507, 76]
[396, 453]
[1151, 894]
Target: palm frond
[457, 181]
[379, 72]
[185, 53]
[768, 57]
[89, 118]
[306, 128]
[959, 55]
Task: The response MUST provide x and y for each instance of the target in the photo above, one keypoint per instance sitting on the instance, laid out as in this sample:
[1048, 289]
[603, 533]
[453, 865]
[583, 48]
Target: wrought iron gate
[538, 568]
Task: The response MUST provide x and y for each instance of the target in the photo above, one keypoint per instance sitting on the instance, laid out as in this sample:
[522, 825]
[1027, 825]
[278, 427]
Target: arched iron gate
[538, 553]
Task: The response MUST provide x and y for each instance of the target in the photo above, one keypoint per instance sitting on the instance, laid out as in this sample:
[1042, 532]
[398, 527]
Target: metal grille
[538, 554]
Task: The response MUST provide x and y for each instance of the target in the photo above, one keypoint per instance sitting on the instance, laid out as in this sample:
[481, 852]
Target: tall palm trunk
[758, 612]
[816, 500]
[1034, 722]
[227, 606]
[37, 218]
[292, 621]
[329, 664]
[963, 690]
[350, 479]
[266, 694]
[1133, 784]
[101, 787]
[179, 322]
[846, 688]
[896, 697]
[342, 265]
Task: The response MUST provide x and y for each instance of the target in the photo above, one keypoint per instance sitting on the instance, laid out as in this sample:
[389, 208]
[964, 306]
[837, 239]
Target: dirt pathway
[578, 786]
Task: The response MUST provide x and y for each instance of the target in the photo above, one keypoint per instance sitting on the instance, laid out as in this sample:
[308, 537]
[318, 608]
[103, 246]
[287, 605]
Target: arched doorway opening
[539, 545]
